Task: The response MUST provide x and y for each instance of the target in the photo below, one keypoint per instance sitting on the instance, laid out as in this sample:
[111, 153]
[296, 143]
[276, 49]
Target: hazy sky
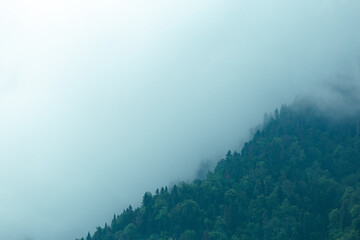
[101, 101]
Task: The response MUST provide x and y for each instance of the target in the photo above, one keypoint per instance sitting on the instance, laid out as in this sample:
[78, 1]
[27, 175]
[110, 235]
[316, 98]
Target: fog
[101, 101]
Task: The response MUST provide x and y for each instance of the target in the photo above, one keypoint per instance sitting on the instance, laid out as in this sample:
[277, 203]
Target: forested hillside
[298, 178]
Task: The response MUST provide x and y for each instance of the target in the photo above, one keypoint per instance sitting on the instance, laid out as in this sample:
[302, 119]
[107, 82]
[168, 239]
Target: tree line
[298, 178]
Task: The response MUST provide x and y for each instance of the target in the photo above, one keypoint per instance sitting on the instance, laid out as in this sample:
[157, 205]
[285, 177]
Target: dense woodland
[298, 178]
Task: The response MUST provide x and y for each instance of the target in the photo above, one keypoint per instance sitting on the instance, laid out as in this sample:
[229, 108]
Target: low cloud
[103, 101]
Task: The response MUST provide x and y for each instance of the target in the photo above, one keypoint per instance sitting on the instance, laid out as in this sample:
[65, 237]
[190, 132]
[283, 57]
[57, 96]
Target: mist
[102, 101]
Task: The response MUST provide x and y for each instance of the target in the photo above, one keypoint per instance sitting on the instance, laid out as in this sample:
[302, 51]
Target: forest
[297, 178]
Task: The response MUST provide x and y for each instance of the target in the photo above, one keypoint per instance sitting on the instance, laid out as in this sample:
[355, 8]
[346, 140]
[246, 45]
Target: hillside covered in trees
[298, 178]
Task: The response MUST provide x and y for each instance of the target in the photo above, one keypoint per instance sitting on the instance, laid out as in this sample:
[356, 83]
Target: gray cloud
[101, 102]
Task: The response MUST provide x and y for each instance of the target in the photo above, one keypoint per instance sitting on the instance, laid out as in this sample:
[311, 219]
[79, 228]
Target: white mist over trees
[102, 101]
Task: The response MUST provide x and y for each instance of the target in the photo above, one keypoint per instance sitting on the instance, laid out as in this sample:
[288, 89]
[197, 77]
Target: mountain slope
[298, 178]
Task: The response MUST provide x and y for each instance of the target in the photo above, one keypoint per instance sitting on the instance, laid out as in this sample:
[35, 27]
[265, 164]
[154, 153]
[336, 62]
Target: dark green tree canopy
[298, 178]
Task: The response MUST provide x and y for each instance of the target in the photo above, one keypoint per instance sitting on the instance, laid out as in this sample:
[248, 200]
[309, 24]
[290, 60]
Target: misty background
[101, 101]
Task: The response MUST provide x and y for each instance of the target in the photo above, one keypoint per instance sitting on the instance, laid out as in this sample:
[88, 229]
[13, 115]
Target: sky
[101, 101]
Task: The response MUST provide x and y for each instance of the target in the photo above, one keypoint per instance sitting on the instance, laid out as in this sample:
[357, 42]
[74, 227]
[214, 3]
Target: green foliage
[298, 178]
